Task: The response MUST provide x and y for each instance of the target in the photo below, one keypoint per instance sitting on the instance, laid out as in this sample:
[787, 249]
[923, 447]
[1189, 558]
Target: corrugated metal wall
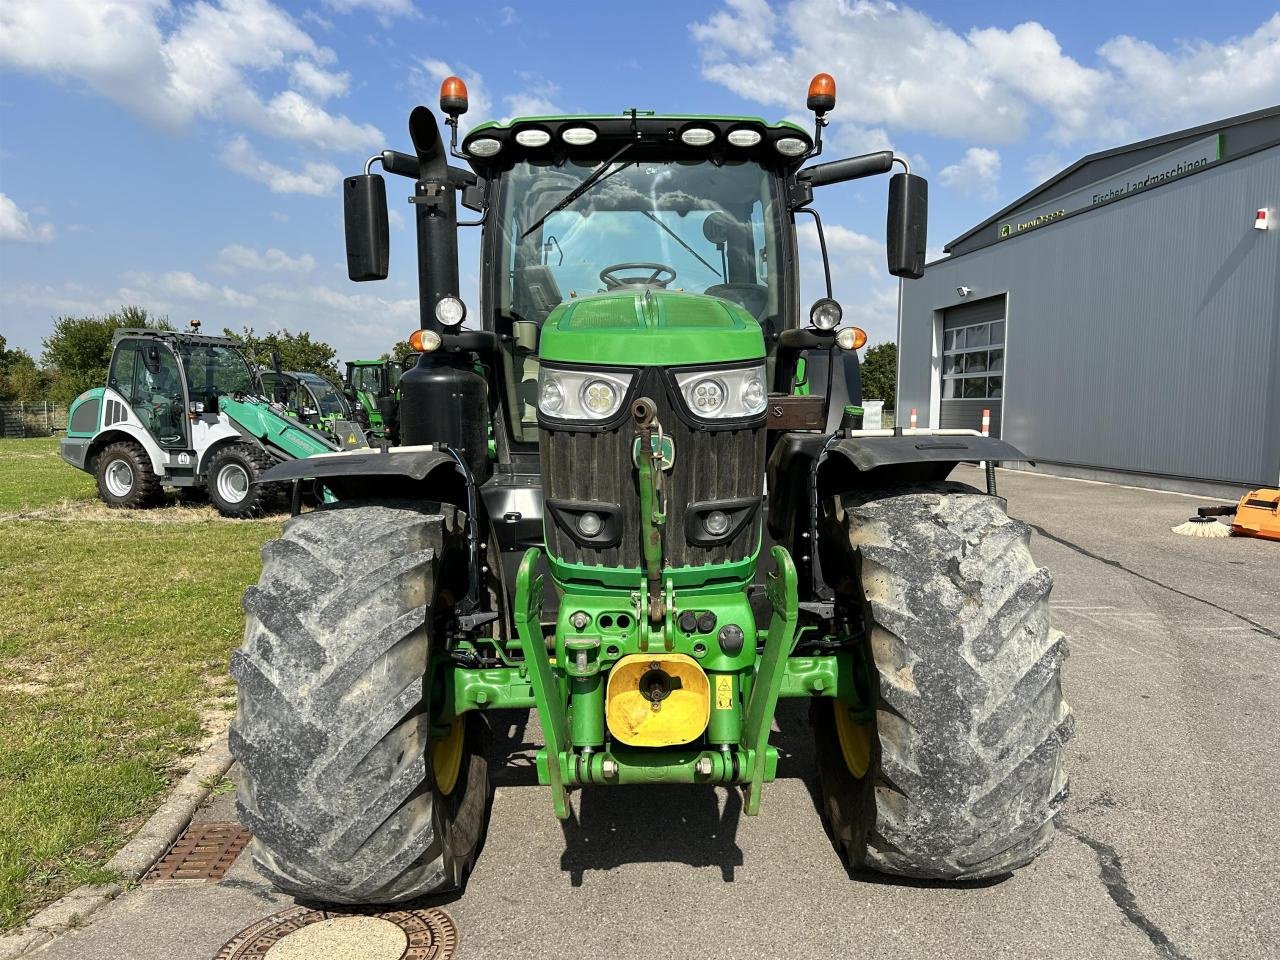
[1143, 336]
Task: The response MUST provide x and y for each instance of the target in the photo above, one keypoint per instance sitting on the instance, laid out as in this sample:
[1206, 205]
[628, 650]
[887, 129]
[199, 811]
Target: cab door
[147, 375]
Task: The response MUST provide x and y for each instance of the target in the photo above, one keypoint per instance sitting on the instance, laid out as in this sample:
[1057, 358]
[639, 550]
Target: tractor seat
[752, 297]
[539, 293]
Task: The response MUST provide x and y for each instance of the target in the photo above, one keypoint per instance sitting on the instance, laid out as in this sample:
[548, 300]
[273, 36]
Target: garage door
[973, 364]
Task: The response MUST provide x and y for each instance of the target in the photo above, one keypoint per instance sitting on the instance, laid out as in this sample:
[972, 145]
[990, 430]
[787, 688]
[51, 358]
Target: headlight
[450, 311]
[581, 394]
[724, 394]
[825, 314]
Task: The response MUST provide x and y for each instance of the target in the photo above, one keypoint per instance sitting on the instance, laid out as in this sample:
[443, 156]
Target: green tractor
[373, 390]
[186, 411]
[615, 564]
[311, 399]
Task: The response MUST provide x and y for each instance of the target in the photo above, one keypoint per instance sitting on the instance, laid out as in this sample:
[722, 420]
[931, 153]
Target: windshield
[215, 369]
[331, 402]
[714, 230]
[367, 379]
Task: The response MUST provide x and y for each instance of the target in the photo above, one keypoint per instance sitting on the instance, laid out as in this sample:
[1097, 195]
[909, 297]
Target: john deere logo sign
[1162, 169]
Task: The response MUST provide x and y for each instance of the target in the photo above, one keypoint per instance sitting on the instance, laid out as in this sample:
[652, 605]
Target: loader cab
[148, 374]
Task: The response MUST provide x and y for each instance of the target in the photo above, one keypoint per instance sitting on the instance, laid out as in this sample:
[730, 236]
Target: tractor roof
[174, 336]
[653, 134]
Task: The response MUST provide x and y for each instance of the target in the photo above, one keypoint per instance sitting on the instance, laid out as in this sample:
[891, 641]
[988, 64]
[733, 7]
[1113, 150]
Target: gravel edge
[131, 862]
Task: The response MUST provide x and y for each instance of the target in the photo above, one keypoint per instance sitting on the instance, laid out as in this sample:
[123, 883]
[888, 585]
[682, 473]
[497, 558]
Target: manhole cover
[204, 852]
[342, 934]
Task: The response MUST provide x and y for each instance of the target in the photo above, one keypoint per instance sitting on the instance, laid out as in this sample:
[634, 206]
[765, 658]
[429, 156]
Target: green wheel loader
[186, 411]
[614, 564]
[311, 399]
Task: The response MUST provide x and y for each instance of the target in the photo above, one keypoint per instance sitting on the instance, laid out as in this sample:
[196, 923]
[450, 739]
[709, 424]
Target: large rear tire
[960, 776]
[349, 796]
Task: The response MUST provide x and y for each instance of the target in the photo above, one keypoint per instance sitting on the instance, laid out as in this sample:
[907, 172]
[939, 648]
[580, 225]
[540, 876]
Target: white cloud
[320, 83]
[976, 174]
[508, 16]
[279, 217]
[15, 224]
[1041, 166]
[204, 61]
[384, 10]
[236, 257]
[907, 71]
[314, 179]
[180, 285]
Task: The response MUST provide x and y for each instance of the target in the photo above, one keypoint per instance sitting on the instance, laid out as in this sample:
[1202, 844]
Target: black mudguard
[396, 474]
[849, 463]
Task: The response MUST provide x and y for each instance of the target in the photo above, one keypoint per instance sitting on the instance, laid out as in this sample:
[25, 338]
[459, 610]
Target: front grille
[709, 465]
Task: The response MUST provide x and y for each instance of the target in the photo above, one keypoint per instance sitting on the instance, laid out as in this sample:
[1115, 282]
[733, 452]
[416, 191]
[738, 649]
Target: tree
[20, 378]
[78, 350]
[297, 351]
[399, 352]
[880, 374]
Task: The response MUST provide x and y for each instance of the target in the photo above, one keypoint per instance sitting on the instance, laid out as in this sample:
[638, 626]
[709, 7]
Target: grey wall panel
[1142, 336]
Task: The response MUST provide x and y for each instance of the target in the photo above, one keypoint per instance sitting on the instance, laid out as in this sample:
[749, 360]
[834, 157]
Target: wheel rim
[233, 483]
[446, 756]
[119, 478]
[855, 740]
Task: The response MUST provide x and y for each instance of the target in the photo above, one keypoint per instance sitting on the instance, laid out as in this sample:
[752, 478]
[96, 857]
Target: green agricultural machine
[665, 540]
[311, 399]
[373, 390]
[186, 411]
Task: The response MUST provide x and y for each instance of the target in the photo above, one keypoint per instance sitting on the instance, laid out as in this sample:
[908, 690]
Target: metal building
[1121, 320]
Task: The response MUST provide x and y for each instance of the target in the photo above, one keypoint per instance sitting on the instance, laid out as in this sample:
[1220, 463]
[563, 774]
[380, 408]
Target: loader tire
[963, 773]
[125, 477]
[232, 482]
[350, 797]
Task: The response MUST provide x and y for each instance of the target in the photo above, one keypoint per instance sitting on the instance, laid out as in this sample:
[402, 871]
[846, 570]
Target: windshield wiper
[596, 176]
[680, 240]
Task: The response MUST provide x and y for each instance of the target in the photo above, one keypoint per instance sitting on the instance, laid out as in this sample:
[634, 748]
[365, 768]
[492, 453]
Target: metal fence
[31, 418]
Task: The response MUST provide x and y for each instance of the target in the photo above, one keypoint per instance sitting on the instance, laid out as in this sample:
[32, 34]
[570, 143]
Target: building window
[973, 362]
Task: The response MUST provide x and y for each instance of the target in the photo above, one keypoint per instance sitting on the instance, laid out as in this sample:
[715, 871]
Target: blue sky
[187, 156]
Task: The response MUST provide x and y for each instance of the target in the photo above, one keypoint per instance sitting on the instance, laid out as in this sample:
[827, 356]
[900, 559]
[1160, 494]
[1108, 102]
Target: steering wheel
[660, 276]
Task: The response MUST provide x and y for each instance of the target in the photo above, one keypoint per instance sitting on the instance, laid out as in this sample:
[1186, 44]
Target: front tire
[125, 478]
[960, 776]
[350, 796]
[232, 481]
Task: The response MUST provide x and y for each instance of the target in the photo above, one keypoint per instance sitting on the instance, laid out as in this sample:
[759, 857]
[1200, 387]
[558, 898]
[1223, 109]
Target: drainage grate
[204, 852]
[427, 934]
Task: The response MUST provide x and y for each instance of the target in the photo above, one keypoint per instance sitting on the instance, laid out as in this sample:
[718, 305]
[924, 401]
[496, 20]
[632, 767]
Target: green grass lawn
[33, 475]
[115, 630]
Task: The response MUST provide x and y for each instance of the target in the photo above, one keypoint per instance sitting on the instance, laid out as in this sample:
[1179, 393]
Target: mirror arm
[822, 245]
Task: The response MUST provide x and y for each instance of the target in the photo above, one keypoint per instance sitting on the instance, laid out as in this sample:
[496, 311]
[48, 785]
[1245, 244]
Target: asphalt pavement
[1170, 847]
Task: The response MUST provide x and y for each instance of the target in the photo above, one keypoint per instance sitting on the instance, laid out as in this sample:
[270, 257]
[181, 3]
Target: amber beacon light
[822, 93]
[453, 96]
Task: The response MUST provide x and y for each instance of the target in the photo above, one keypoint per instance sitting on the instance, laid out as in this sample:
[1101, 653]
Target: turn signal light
[453, 96]
[851, 338]
[424, 341]
[822, 93]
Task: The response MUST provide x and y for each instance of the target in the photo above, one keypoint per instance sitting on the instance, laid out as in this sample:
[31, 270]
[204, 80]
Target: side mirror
[275, 360]
[364, 211]
[908, 219]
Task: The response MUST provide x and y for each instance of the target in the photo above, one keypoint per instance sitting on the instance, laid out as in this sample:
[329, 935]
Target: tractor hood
[651, 328]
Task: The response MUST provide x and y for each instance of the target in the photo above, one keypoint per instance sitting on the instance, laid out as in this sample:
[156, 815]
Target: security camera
[964, 291]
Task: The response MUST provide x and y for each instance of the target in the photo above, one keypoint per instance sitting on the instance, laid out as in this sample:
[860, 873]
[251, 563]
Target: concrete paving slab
[1170, 847]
